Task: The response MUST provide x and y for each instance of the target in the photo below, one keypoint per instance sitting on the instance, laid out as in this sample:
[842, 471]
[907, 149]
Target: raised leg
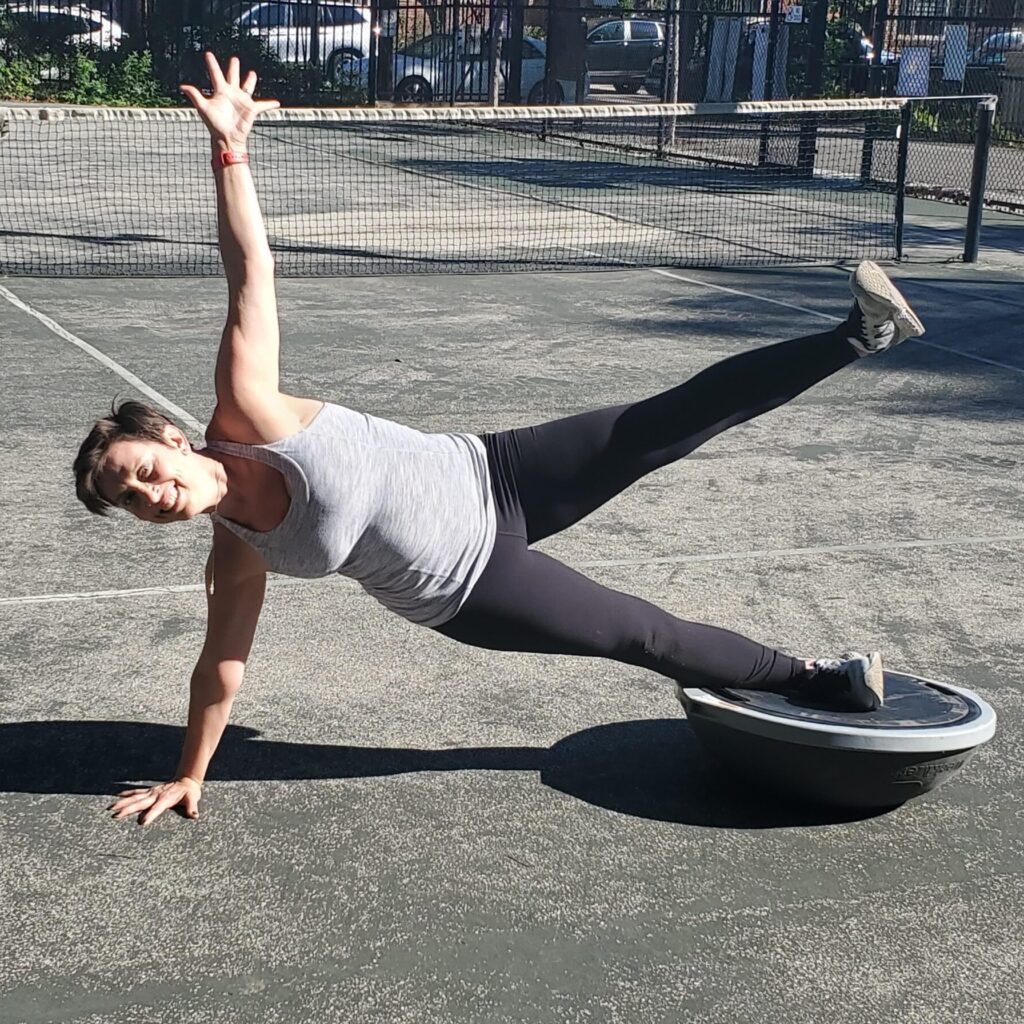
[563, 470]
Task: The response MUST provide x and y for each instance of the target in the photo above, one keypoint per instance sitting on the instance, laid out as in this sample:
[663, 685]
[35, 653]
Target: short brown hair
[130, 421]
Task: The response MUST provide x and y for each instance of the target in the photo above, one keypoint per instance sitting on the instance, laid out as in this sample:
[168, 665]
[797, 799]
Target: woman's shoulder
[270, 421]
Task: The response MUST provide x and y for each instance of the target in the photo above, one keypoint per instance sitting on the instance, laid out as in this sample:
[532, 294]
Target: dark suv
[620, 52]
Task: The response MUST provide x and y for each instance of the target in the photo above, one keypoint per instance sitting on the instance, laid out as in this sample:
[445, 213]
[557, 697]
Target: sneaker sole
[871, 284]
[874, 678]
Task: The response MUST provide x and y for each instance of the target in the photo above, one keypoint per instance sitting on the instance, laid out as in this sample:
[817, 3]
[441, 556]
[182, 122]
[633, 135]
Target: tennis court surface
[400, 829]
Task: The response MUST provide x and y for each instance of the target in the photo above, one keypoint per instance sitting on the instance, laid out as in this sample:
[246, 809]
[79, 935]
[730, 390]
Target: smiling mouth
[175, 505]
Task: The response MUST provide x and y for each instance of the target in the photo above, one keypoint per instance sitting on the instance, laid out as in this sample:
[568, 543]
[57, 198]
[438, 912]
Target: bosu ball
[924, 733]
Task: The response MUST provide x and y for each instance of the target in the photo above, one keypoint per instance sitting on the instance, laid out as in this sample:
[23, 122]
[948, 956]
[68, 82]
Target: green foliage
[349, 86]
[185, 55]
[956, 123]
[924, 121]
[112, 78]
[86, 83]
[131, 82]
[19, 77]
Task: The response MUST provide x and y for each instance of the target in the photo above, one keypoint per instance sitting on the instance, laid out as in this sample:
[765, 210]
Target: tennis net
[94, 191]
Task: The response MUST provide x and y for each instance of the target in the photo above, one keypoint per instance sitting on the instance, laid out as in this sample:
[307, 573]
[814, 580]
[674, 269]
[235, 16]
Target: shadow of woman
[651, 768]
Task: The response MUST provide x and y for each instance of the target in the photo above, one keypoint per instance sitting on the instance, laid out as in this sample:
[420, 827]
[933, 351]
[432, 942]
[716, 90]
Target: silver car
[343, 32]
[73, 23]
[429, 68]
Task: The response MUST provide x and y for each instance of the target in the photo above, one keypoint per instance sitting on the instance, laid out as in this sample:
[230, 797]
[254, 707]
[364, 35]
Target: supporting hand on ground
[230, 112]
[152, 802]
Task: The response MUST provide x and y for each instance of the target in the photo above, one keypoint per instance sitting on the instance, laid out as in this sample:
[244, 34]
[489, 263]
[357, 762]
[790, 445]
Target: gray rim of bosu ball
[978, 728]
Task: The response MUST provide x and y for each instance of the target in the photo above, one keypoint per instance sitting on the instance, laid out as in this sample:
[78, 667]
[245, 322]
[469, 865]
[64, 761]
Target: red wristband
[225, 158]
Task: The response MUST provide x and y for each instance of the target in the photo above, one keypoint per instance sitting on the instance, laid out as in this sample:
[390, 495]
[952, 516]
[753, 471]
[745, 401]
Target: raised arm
[248, 360]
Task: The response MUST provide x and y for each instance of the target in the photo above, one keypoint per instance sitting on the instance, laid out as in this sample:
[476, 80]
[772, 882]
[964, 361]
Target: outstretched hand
[230, 112]
[154, 800]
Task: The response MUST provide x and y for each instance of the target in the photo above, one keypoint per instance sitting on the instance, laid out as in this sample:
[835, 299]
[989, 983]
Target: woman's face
[156, 482]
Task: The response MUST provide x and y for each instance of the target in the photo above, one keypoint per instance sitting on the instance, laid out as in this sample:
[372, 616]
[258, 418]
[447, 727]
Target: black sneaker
[852, 683]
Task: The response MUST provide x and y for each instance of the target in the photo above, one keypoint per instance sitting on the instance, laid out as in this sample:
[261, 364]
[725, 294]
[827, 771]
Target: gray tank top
[408, 515]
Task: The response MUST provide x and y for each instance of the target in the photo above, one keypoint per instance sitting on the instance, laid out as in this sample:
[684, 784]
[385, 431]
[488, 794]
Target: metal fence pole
[670, 85]
[813, 85]
[903, 151]
[458, 53]
[769, 79]
[494, 56]
[513, 50]
[371, 69]
[982, 142]
[875, 81]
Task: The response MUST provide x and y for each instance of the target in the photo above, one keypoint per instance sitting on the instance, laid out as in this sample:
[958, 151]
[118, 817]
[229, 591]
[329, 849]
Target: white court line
[824, 549]
[726, 556]
[747, 295]
[52, 325]
[99, 595]
[827, 316]
[113, 595]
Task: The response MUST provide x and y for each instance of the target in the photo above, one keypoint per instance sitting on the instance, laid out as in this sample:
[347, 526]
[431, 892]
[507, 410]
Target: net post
[906, 120]
[983, 121]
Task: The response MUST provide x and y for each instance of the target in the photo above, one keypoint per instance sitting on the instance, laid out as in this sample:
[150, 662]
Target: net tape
[385, 115]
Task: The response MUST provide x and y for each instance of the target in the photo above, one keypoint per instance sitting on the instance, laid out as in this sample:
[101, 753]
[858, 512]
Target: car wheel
[342, 70]
[413, 90]
[536, 96]
[627, 87]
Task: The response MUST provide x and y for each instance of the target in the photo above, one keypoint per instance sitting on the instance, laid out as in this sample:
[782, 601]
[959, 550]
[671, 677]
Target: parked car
[620, 52]
[858, 50]
[992, 52]
[654, 80]
[861, 50]
[69, 24]
[425, 69]
[286, 28]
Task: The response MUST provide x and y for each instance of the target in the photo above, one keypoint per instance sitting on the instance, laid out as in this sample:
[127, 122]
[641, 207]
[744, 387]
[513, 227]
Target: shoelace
[876, 333]
[828, 665]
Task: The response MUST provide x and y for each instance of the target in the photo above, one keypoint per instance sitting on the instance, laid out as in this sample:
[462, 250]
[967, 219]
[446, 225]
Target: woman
[436, 526]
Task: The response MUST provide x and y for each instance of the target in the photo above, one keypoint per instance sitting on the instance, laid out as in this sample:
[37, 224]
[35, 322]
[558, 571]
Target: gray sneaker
[881, 318]
[854, 682]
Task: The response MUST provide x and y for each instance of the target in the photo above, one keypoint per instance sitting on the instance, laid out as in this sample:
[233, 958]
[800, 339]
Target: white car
[992, 52]
[425, 71]
[343, 32]
[71, 23]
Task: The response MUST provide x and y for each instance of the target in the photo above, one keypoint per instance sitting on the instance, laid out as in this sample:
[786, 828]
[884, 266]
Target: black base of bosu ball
[923, 734]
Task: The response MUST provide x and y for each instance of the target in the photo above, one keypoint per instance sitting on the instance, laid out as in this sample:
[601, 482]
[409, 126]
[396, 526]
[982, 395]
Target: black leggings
[548, 477]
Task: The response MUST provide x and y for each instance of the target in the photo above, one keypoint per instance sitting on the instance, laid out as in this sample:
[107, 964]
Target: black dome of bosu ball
[923, 734]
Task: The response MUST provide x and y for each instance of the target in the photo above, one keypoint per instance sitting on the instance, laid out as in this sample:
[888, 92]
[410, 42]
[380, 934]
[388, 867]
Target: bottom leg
[527, 601]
